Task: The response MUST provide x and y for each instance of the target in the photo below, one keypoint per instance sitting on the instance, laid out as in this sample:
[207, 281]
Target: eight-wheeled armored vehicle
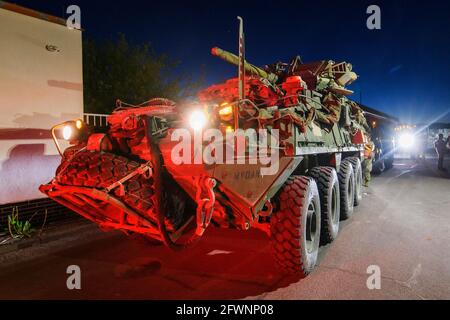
[277, 148]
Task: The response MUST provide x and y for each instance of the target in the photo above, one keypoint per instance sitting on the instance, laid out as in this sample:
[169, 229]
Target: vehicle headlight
[406, 140]
[67, 132]
[74, 131]
[225, 112]
[79, 124]
[71, 129]
[197, 120]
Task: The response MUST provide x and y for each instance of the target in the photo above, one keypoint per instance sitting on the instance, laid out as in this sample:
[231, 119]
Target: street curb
[56, 233]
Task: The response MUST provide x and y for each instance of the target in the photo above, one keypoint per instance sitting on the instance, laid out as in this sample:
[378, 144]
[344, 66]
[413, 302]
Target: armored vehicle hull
[278, 149]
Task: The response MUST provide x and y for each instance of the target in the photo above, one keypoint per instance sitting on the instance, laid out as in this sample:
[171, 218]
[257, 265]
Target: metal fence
[96, 119]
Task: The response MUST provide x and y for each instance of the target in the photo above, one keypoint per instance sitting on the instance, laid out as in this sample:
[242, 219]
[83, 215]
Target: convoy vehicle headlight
[229, 129]
[225, 112]
[197, 120]
[406, 140]
[72, 131]
[79, 124]
[67, 132]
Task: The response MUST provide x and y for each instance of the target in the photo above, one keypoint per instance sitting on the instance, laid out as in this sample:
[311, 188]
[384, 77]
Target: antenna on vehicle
[241, 67]
[241, 71]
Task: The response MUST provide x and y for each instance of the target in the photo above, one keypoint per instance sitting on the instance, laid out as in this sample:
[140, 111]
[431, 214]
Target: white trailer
[41, 84]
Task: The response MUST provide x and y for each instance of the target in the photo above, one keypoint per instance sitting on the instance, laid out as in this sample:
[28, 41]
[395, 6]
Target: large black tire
[379, 166]
[357, 170]
[389, 163]
[328, 184]
[295, 226]
[347, 189]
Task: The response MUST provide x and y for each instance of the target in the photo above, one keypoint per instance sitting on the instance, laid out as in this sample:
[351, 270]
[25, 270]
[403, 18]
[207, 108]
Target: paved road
[402, 226]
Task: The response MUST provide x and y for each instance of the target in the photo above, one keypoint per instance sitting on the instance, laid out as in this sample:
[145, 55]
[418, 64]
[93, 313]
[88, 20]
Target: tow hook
[205, 205]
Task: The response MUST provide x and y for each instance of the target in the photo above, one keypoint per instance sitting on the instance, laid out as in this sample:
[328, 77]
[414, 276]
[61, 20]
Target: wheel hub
[311, 227]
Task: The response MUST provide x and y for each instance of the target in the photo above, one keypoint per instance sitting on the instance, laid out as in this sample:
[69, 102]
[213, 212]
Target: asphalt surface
[402, 226]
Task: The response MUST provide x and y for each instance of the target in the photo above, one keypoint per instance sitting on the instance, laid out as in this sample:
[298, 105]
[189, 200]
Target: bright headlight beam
[226, 111]
[197, 120]
[406, 140]
[67, 132]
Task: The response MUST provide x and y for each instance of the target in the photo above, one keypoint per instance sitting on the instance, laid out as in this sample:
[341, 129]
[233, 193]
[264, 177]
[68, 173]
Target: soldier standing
[441, 147]
[369, 148]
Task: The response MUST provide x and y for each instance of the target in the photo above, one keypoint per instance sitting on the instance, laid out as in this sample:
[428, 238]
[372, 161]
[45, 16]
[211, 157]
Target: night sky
[404, 68]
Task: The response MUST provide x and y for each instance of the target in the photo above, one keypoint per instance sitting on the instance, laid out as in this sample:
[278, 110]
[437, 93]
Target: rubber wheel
[357, 170]
[389, 163]
[328, 185]
[295, 226]
[379, 166]
[347, 189]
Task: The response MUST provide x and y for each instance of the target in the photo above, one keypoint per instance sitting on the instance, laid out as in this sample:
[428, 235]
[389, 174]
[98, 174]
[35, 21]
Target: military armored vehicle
[146, 173]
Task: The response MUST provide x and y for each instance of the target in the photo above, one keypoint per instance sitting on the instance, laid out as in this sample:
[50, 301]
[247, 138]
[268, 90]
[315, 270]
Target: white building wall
[38, 88]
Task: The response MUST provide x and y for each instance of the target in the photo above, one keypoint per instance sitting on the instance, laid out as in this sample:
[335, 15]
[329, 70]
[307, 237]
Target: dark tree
[133, 73]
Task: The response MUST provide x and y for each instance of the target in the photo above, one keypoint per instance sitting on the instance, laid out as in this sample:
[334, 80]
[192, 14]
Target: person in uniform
[441, 147]
[369, 148]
